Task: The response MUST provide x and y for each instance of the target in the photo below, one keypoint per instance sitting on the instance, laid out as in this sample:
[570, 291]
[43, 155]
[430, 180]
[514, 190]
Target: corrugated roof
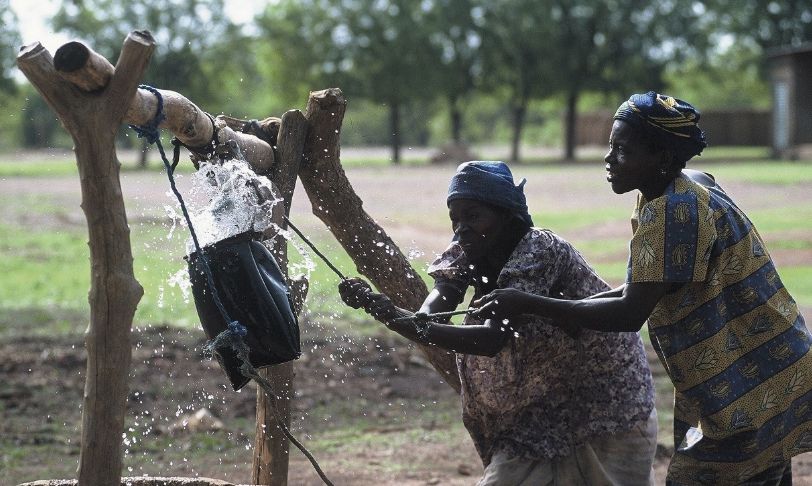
[801, 49]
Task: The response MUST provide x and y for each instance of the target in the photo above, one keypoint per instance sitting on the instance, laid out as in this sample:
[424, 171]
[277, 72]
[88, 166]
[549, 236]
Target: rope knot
[150, 130]
[237, 329]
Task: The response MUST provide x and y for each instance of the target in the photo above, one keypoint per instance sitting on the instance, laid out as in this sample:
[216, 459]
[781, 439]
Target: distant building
[791, 77]
[729, 127]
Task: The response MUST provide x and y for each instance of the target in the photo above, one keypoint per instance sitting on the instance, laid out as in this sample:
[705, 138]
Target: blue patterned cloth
[670, 122]
[489, 182]
[730, 337]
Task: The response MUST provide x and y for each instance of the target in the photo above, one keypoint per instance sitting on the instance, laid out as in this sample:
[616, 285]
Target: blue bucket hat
[670, 122]
[490, 182]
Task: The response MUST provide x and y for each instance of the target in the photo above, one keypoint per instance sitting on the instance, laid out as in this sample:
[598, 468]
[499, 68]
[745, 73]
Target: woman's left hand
[503, 304]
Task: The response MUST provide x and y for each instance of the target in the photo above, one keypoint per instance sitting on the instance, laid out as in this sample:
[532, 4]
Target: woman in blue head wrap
[542, 405]
[724, 326]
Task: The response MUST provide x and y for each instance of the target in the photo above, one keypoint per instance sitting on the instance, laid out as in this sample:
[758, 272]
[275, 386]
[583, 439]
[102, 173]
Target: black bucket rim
[245, 236]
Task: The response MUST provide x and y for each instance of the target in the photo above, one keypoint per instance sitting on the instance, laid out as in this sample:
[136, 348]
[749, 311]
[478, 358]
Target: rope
[420, 316]
[414, 317]
[316, 250]
[233, 338]
[234, 333]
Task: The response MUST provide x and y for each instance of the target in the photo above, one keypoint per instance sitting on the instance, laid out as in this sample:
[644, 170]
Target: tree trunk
[394, 127]
[92, 119]
[455, 116]
[519, 112]
[569, 125]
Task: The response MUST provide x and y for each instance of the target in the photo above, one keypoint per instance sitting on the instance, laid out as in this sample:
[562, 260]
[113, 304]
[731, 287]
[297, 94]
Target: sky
[33, 20]
[33, 23]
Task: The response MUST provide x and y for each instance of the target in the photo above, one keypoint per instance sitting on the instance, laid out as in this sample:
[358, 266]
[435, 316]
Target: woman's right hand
[355, 292]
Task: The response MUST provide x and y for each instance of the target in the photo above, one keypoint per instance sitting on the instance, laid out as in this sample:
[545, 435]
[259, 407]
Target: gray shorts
[623, 459]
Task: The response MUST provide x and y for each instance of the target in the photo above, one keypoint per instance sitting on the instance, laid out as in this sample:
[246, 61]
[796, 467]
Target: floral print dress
[545, 392]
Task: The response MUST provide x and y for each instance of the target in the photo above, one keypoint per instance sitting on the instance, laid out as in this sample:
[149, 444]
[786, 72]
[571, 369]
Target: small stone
[465, 470]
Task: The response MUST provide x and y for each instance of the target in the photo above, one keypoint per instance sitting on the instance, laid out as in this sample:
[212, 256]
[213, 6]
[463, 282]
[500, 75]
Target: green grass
[797, 280]
[733, 153]
[61, 166]
[57, 166]
[37, 167]
[563, 222]
[42, 268]
[777, 220]
[773, 172]
[48, 269]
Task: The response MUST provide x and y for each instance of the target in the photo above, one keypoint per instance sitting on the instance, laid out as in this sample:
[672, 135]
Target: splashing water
[226, 199]
[180, 279]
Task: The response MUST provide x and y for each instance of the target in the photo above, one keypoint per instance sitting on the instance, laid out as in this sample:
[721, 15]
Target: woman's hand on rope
[503, 304]
[506, 304]
[357, 293]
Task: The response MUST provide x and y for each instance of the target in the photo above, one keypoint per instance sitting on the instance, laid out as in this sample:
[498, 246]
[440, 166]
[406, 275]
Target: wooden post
[92, 118]
[335, 202]
[271, 447]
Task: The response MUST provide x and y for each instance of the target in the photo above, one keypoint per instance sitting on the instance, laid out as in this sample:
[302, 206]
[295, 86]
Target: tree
[604, 46]
[375, 49]
[38, 123]
[9, 43]
[769, 23]
[196, 41]
[297, 54]
[736, 75]
[457, 40]
[732, 59]
[539, 49]
[516, 50]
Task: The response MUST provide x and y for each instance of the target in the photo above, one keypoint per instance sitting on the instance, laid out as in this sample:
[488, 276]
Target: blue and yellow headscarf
[670, 122]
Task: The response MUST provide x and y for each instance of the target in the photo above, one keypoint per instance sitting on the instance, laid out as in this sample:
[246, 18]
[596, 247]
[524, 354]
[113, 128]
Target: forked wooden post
[92, 118]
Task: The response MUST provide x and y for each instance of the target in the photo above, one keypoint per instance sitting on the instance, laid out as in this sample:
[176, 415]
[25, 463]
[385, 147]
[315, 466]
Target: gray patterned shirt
[545, 393]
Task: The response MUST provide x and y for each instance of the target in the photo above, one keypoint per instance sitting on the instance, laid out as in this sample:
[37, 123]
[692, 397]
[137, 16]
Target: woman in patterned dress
[724, 326]
[542, 405]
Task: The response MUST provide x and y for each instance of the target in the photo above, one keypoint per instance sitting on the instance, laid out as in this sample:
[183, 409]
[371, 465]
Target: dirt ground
[43, 380]
[172, 377]
[370, 409]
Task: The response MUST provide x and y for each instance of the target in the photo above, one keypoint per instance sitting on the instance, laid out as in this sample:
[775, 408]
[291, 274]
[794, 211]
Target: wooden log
[91, 118]
[257, 153]
[89, 71]
[266, 129]
[335, 202]
[78, 65]
[271, 448]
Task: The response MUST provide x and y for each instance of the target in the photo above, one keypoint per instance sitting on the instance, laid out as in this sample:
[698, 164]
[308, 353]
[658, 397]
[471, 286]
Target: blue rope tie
[150, 131]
